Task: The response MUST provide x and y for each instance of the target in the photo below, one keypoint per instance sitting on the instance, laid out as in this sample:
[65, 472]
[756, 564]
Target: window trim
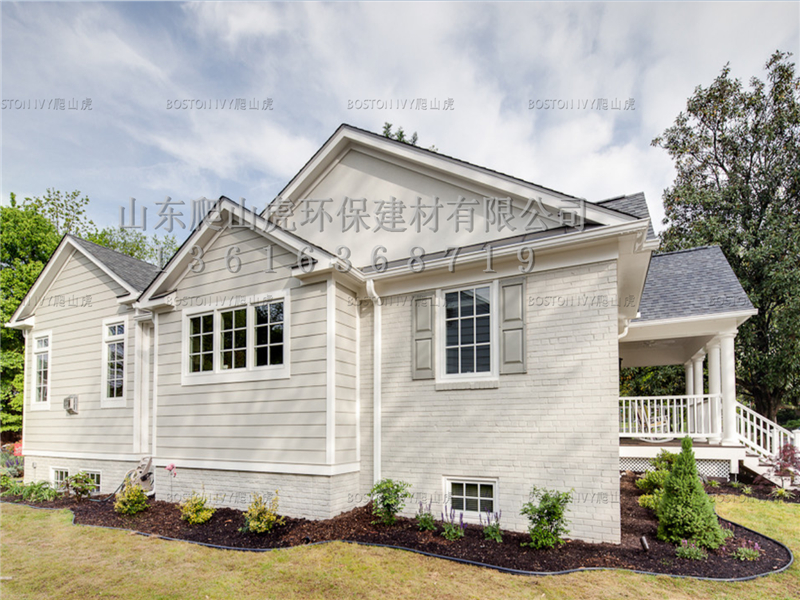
[471, 516]
[53, 474]
[99, 476]
[105, 400]
[34, 403]
[442, 377]
[250, 372]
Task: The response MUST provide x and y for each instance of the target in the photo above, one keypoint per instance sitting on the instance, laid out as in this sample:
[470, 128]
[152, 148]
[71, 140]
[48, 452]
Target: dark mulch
[760, 491]
[163, 519]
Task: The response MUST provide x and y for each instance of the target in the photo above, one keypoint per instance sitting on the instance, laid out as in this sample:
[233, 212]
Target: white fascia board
[710, 324]
[499, 252]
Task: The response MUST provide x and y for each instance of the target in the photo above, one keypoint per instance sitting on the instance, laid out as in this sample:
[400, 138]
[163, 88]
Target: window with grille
[114, 335]
[41, 384]
[472, 496]
[468, 330]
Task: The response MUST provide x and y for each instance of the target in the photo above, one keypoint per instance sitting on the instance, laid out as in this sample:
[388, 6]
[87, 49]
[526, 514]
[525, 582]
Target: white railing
[758, 433]
[655, 417]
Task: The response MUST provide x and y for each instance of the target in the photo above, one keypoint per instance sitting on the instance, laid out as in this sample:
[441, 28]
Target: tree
[27, 242]
[400, 136]
[737, 156]
[134, 243]
[66, 211]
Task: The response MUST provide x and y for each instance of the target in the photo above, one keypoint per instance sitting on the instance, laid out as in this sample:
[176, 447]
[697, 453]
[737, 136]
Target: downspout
[376, 380]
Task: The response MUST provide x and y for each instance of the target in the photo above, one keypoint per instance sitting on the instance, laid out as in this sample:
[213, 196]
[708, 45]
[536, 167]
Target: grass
[44, 556]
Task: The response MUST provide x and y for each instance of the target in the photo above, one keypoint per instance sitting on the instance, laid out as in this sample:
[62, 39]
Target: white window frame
[469, 515]
[105, 400]
[442, 376]
[99, 477]
[35, 352]
[251, 372]
[53, 470]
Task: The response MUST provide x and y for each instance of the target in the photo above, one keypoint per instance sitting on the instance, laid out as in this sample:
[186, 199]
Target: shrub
[194, 509]
[39, 492]
[685, 510]
[11, 464]
[651, 501]
[786, 463]
[712, 483]
[736, 484]
[747, 490]
[781, 494]
[261, 518]
[691, 551]
[81, 485]
[492, 531]
[388, 498]
[131, 499]
[546, 518]
[452, 529]
[664, 460]
[425, 520]
[652, 481]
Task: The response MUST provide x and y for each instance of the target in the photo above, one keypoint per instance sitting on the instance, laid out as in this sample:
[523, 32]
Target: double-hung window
[41, 371]
[113, 375]
[468, 327]
[242, 343]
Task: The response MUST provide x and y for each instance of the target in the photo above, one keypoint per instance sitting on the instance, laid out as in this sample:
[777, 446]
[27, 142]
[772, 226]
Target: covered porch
[691, 308]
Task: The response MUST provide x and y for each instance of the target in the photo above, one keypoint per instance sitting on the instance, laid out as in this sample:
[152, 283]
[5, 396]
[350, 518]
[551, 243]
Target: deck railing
[656, 417]
[758, 433]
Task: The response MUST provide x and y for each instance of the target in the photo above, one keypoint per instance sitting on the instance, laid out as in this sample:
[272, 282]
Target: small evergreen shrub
[425, 520]
[691, 551]
[452, 529]
[388, 498]
[195, 509]
[546, 518]
[652, 481]
[131, 499]
[685, 511]
[260, 517]
[81, 485]
[492, 531]
[651, 501]
[664, 460]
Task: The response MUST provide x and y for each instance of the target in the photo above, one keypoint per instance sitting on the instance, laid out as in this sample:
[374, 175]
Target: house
[394, 313]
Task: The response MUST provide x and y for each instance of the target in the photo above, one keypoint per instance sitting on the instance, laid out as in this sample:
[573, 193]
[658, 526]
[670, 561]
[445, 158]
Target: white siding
[263, 421]
[75, 357]
[346, 376]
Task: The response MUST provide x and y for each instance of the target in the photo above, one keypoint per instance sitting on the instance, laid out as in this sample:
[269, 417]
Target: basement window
[472, 496]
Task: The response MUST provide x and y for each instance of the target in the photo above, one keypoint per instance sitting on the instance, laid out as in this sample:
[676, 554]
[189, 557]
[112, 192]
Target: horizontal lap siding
[261, 421]
[75, 357]
[555, 426]
[346, 366]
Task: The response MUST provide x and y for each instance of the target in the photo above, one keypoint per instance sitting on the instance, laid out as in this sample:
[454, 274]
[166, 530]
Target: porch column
[689, 369]
[698, 414]
[730, 436]
[714, 388]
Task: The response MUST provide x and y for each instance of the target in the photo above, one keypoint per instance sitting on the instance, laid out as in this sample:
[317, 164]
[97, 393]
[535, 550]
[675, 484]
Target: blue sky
[314, 60]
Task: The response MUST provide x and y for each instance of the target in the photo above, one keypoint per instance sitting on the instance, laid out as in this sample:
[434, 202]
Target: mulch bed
[163, 519]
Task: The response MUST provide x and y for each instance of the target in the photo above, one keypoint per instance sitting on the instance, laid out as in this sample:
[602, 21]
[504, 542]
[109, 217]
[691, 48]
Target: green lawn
[43, 556]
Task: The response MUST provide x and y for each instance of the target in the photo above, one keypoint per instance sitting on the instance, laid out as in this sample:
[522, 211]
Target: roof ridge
[695, 249]
[107, 249]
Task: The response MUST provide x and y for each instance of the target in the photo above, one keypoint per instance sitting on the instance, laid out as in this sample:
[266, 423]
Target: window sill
[471, 384]
[34, 406]
[113, 403]
[234, 376]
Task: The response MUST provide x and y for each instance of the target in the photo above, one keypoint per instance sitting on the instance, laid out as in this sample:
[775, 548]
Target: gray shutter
[422, 351]
[512, 326]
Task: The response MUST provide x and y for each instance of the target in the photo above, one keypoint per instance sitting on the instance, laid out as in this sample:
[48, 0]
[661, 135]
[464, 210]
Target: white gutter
[376, 380]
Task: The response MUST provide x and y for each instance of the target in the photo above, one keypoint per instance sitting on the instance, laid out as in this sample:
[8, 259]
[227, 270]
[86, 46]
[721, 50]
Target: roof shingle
[137, 273]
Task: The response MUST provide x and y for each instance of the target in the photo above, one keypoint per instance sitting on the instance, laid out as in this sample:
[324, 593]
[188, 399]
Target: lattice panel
[707, 467]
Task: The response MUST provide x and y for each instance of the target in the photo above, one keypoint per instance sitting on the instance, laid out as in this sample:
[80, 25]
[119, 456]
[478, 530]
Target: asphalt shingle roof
[634, 205]
[137, 273]
[691, 283]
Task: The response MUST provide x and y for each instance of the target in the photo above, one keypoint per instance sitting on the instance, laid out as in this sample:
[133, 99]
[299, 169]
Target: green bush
[651, 501]
[691, 551]
[81, 485]
[546, 518]
[11, 486]
[388, 498]
[451, 529]
[652, 481]
[747, 551]
[194, 509]
[41, 491]
[425, 520]
[131, 499]
[260, 517]
[664, 460]
[685, 511]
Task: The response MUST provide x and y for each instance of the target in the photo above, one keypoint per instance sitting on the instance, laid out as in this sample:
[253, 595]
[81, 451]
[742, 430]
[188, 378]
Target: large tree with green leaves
[737, 156]
[30, 233]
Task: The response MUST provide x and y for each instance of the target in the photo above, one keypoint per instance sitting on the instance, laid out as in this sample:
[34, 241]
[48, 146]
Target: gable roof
[633, 205]
[690, 283]
[137, 273]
